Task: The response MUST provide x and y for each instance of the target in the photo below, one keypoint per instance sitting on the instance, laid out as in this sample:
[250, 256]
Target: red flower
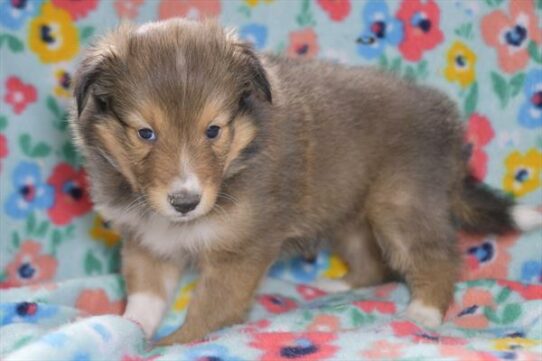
[192, 9]
[510, 33]
[310, 293]
[96, 302]
[289, 346]
[71, 195]
[4, 151]
[337, 10]
[19, 94]
[277, 303]
[303, 44]
[416, 334]
[479, 134]
[468, 313]
[78, 9]
[422, 28]
[380, 306]
[128, 9]
[29, 266]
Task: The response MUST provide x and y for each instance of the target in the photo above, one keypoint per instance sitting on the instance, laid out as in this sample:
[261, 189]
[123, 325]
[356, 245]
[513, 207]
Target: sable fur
[308, 150]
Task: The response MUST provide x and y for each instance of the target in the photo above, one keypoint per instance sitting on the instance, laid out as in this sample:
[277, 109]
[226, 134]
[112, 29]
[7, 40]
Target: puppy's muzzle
[184, 202]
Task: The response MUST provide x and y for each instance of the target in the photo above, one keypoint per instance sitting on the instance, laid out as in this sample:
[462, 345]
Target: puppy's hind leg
[150, 284]
[354, 242]
[418, 241]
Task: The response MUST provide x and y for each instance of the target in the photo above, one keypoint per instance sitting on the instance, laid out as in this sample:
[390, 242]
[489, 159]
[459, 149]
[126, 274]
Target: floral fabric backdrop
[58, 258]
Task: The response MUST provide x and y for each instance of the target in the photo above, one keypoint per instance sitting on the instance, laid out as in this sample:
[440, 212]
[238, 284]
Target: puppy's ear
[85, 76]
[256, 74]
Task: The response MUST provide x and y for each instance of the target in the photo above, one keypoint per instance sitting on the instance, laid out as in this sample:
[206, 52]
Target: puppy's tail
[482, 210]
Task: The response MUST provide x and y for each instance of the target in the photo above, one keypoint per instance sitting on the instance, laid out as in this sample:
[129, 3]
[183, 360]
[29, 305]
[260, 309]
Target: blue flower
[531, 272]
[14, 13]
[379, 28]
[30, 192]
[299, 269]
[254, 33]
[28, 312]
[530, 113]
[209, 352]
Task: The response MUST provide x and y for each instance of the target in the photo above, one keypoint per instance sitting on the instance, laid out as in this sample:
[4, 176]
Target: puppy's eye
[212, 132]
[102, 103]
[146, 134]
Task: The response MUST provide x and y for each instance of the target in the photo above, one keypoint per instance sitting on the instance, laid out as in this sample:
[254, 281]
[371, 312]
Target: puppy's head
[171, 107]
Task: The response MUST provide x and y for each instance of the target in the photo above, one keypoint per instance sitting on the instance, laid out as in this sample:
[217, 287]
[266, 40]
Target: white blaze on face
[187, 182]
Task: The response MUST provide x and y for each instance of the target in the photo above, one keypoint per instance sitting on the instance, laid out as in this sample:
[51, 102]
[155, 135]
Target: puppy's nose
[184, 202]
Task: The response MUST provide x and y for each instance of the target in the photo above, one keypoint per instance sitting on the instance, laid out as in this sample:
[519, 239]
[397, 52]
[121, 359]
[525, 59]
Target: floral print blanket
[60, 294]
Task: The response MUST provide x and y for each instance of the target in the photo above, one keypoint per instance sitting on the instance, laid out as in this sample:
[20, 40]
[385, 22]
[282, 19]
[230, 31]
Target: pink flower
[277, 303]
[325, 323]
[4, 151]
[510, 33]
[461, 353]
[78, 9]
[292, 346]
[469, 312]
[29, 266]
[380, 306]
[418, 335]
[383, 350]
[128, 9]
[310, 293]
[485, 257]
[422, 27]
[192, 9]
[479, 134]
[337, 10]
[527, 291]
[96, 302]
[303, 44]
[385, 290]
[19, 95]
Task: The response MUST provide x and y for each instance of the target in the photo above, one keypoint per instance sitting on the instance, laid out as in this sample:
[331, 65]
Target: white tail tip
[526, 218]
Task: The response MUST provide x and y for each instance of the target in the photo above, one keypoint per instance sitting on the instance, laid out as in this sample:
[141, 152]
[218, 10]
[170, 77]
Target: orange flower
[303, 44]
[383, 350]
[510, 33]
[469, 313]
[96, 302]
[191, 9]
[325, 323]
[29, 266]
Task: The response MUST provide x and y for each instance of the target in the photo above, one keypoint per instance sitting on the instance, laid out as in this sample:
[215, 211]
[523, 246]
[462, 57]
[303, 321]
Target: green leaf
[25, 143]
[491, 315]
[305, 17]
[516, 83]
[396, 65]
[383, 61]
[86, 33]
[500, 87]
[503, 295]
[14, 44]
[535, 51]
[56, 239]
[53, 107]
[92, 264]
[3, 122]
[245, 10]
[30, 223]
[410, 73]
[41, 150]
[511, 313]
[70, 154]
[42, 228]
[421, 69]
[539, 4]
[471, 100]
[69, 231]
[15, 240]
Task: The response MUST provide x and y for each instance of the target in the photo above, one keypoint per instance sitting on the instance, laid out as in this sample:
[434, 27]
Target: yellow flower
[514, 343]
[63, 83]
[184, 296]
[522, 172]
[101, 231]
[461, 62]
[53, 35]
[253, 3]
[337, 268]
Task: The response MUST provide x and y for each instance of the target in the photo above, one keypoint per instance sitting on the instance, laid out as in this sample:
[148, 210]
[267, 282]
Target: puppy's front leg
[150, 284]
[223, 294]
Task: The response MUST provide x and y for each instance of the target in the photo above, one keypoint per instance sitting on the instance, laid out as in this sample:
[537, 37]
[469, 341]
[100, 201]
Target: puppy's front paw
[423, 314]
[145, 309]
